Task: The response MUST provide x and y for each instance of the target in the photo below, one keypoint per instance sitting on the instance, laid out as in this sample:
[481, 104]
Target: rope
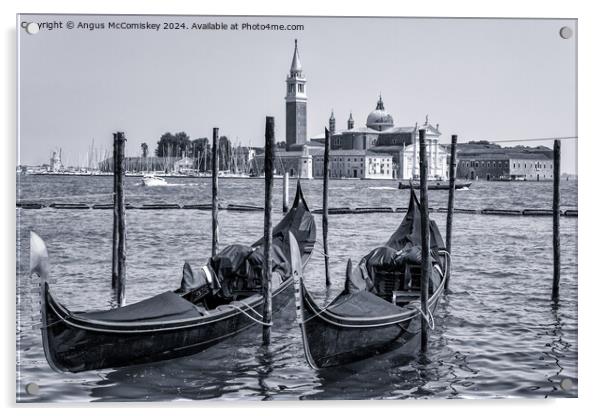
[249, 316]
[430, 320]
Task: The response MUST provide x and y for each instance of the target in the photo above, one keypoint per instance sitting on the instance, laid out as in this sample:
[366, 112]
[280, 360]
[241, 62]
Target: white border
[589, 151]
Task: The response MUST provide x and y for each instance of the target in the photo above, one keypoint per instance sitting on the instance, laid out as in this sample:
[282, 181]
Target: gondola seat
[167, 306]
[362, 304]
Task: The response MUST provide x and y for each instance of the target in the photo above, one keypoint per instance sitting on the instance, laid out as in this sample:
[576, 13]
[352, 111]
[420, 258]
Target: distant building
[56, 165]
[296, 105]
[378, 150]
[186, 165]
[487, 161]
[359, 164]
[381, 136]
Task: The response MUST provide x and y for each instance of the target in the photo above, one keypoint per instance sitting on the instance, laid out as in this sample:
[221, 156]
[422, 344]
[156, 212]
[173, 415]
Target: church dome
[379, 119]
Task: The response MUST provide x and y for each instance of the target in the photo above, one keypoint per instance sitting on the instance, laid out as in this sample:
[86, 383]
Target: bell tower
[296, 104]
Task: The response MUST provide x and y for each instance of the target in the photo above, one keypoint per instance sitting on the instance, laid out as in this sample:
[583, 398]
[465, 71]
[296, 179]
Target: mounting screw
[566, 32]
[32, 389]
[32, 28]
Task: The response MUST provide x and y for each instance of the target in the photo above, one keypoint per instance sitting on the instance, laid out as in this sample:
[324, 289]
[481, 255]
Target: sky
[482, 79]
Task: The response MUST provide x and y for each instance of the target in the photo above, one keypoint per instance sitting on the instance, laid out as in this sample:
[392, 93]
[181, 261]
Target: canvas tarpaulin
[164, 307]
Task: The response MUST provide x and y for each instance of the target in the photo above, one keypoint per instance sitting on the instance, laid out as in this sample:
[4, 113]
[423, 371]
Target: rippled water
[497, 333]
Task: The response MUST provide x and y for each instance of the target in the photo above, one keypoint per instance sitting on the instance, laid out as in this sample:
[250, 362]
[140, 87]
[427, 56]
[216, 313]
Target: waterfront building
[56, 165]
[358, 164]
[381, 136]
[185, 165]
[487, 161]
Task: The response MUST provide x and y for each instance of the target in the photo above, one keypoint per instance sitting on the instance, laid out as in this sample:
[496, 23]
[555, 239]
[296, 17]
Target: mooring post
[556, 220]
[285, 192]
[114, 271]
[214, 196]
[426, 241]
[266, 287]
[121, 268]
[326, 175]
[450, 205]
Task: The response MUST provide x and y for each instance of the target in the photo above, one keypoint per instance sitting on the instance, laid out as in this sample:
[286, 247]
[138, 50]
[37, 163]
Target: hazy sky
[478, 78]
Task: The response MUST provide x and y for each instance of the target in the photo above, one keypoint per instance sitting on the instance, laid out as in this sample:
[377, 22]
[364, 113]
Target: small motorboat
[152, 180]
[434, 185]
[212, 304]
[380, 308]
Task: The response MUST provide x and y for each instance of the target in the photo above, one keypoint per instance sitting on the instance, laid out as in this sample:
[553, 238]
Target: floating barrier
[334, 211]
[489, 211]
[370, 210]
[205, 207]
[110, 206]
[466, 211]
[538, 212]
[29, 205]
[68, 206]
[237, 207]
[159, 206]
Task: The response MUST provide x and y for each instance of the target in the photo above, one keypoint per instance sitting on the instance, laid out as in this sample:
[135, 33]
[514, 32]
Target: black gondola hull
[330, 342]
[85, 341]
[75, 346]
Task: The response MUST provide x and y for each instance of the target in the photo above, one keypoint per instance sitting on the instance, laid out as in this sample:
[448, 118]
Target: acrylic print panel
[120, 295]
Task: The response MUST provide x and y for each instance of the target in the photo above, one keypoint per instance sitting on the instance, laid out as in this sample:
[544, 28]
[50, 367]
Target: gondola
[436, 185]
[379, 310]
[204, 311]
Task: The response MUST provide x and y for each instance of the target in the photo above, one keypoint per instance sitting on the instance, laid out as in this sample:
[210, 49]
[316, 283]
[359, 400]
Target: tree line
[179, 145]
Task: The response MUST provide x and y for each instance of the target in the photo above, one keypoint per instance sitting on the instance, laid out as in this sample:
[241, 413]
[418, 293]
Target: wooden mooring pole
[426, 241]
[556, 221]
[450, 205]
[266, 287]
[285, 192]
[114, 272]
[326, 175]
[214, 196]
[121, 228]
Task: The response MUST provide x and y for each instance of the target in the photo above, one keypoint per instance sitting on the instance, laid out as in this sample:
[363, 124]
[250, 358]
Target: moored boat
[379, 310]
[152, 180]
[435, 185]
[217, 302]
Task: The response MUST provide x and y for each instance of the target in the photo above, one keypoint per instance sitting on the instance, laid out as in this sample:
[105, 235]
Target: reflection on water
[497, 334]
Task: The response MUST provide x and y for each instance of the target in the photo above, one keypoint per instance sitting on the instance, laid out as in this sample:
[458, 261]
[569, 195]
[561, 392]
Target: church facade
[381, 136]
[378, 150]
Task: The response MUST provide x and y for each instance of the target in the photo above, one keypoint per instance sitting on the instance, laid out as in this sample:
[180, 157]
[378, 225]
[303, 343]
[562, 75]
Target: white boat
[152, 180]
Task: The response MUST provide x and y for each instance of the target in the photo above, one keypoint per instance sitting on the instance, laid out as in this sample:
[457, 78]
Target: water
[497, 333]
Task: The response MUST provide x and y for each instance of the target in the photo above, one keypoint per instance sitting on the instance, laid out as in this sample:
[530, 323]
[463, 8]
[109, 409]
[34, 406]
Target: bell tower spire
[296, 103]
